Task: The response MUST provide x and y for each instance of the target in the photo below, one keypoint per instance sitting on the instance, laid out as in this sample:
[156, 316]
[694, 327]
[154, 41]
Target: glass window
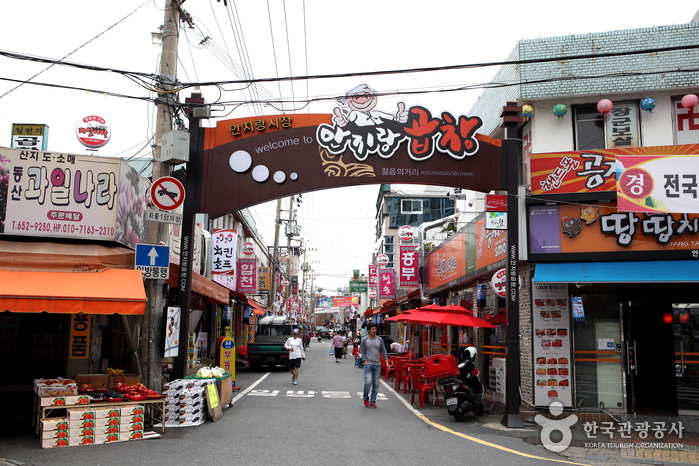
[388, 249]
[589, 128]
[619, 129]
[388, 239]
[411, 206]
[429, 209]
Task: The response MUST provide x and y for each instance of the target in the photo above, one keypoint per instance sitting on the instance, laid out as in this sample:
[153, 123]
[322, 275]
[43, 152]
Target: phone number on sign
[49, 227]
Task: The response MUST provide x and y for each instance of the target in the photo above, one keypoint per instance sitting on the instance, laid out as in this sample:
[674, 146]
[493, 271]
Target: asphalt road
[320, 421]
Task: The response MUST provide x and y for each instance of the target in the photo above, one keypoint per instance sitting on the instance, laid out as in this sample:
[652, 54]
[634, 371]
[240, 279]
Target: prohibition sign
[167, 193]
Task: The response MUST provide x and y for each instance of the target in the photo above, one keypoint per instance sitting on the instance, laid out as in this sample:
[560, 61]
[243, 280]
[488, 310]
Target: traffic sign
[164, 217]
[167, 193]
[153, 261]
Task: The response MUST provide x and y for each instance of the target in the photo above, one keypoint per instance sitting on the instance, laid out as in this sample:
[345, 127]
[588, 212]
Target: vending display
[551, 327]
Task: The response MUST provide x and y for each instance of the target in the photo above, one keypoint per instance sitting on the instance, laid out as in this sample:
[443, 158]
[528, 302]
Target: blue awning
[617, 272]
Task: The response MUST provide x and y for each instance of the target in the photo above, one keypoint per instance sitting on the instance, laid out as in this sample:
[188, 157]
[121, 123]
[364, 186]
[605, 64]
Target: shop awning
[256, 307]
[112, 291]
[201, 285]
[617, 272]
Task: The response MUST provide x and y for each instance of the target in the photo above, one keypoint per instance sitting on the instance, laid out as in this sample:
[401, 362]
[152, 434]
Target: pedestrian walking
[306, 338]
[296, 354]
[356, 343]
[337, 346]
[345, 343]
[372, 348]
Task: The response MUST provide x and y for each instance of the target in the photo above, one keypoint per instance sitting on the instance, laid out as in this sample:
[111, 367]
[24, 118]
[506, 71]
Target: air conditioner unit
[175, 147]
[205, 269]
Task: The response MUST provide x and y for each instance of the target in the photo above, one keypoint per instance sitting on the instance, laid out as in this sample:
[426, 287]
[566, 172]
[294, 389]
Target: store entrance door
[651, 360]
[685, 318]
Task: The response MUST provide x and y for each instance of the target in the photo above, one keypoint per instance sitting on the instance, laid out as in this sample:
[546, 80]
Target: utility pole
[152, 320]
[275, 256]
[287, 292]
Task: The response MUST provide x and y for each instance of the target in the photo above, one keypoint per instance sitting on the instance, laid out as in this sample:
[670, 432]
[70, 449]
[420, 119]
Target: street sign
[153, 261]
[357, 286]
[167, 193]
[164, 217]
[382, 259]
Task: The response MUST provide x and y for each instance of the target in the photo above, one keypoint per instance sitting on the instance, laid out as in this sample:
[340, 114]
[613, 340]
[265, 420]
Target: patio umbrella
[454, 308]
[400, 317]
[447, 318]
[429, 307]
[498, 319]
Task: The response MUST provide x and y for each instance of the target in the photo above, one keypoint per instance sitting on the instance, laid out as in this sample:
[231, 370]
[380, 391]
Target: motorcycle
[464, 393]
[319, 337]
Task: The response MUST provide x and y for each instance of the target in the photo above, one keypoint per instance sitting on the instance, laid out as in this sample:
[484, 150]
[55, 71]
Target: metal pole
[511, 120]
[275, 260]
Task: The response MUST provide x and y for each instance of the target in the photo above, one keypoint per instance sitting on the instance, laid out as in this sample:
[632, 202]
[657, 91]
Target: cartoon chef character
[357, 106]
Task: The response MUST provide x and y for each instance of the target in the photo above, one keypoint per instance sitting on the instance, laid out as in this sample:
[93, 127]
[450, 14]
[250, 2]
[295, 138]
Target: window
[431, 209]
[618, 130]
[411, 206]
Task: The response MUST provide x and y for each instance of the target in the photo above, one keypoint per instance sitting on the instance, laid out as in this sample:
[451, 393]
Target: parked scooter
[319, 337]
[464, 393]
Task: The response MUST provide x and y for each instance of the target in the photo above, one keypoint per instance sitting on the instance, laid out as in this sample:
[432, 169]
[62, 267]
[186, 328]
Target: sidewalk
[584, 448]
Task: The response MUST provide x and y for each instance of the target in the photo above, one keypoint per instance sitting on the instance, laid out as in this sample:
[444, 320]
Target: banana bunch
[111, 371]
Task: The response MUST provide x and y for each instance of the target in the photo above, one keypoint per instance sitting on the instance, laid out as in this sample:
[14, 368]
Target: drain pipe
[421, 231]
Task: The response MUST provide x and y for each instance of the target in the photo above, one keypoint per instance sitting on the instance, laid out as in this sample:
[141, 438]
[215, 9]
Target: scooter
[464, 393]
[319, 337]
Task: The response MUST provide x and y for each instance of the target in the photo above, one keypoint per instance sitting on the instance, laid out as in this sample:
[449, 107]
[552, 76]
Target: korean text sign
[373, 275]
[387, 283]
[247, 275]
[80, 336]
[72, 196]
[408, 266]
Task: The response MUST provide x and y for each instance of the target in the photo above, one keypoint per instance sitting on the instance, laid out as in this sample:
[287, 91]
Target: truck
[268, 349]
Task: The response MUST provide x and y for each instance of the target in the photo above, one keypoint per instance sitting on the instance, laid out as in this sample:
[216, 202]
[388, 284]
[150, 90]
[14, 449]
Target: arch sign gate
[243, 162]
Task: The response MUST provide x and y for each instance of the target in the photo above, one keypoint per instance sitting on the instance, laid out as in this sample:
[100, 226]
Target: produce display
[111, 371]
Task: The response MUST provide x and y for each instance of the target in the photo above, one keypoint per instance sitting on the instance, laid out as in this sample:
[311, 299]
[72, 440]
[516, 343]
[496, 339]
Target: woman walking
[296, 354]
[337, 346]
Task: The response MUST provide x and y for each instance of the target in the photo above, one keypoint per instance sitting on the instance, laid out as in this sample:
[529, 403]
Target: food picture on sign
[132, 203]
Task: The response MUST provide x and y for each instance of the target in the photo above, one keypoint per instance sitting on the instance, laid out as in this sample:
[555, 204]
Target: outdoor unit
[175, 147]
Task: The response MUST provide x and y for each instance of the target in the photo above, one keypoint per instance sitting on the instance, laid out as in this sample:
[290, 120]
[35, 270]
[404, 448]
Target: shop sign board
[658, 184]
[29, 136]
[263, 279]
[357, 286]
[551, 342]
[498, 282]
[172, 332]
[224, 247]
[372, 293]
[373, 276]
[589, 171]
[247, 275]
[496, 220]
[408, 266]
[93, 131]
[382, 260]
[406, 233]
[345, 301]
[387, 283]
[50, 194]
[153, 260]
[248, 248]
[496, 202]
[80, 336]
[570, 229]
[226, 354]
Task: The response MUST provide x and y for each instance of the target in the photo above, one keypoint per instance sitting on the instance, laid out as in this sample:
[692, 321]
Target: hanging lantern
[605, 106]
[690, 101]
[527, 112]
[648, 104]
[560, 110]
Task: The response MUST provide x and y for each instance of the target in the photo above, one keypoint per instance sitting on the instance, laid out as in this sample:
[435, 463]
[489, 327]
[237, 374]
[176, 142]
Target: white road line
[244, 392]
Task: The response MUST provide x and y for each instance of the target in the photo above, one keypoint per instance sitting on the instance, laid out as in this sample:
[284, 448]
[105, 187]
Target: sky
[273, 39]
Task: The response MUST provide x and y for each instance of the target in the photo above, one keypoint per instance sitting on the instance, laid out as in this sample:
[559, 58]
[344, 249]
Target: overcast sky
[291, 38]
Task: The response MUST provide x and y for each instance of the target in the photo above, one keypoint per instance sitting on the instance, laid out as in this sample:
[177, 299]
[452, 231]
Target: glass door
[685, 317]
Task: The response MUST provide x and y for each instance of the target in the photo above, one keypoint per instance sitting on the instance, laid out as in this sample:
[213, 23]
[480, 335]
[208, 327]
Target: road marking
[300, 394]
[245, 392]
[331, 394]
[263, 393]
[468, 437]
[379, 397]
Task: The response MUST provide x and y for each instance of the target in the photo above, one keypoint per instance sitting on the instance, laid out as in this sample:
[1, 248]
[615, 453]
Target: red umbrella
[400, 317]
[429, 307]
[498, 319]
[455, 308]
[447, 318]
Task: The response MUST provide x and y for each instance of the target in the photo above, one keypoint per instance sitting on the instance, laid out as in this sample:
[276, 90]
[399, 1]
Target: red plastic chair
[422, 386]
[389, 370]
[402, 375]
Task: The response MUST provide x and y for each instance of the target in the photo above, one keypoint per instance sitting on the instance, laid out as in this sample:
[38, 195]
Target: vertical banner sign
[247, 276]
[373, 276]
[387, 283]
[551, 326]
[226, 354]
[263, 279]
[172, 333]
[224, 245]
[79, 336]
[408, 266]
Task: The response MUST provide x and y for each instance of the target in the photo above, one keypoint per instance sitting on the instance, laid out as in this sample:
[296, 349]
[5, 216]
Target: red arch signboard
[252, 160]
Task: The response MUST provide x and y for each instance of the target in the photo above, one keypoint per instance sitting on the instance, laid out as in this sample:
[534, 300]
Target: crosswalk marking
[263, 393]
[330, 394]
[300, 394]
[379, 397]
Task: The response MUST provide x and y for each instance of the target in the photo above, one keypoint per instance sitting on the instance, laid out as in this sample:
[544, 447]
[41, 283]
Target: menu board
[551, 326]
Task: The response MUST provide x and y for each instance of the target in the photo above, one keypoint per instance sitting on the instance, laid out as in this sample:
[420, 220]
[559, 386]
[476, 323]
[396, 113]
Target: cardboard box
[75, 440]
[190, 411]
[193, 418]
[57, 390]
[49, 434]
[107, 421]
[135, 427]
[132, 410]
[136, 418]
[78, 424]
[192, 403]
[97, 380]
[198, 383]
[75, 414]
[54, 423]
[84, 432]
[135, 435]
[58, 381]
[108, 438]
[104, 430]
[126, 379]
[192, 394]
[101, 413]
[54, 442]
[64, 400]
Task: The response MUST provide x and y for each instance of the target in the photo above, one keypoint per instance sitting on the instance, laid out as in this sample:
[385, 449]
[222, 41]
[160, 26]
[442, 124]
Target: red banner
[373, 276]
[387, 283]
[247, 275]
[408, 266]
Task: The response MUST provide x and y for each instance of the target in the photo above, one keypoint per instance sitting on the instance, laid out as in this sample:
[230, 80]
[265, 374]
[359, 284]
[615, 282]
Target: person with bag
[296, 354]
[337, 346]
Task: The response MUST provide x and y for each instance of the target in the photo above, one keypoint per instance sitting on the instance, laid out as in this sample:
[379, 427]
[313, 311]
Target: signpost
[153, 261]
[167, 193]
[357, 286]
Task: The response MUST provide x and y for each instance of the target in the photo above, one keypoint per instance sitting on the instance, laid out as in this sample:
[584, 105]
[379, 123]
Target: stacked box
[81, 426]
[64, 400]
[131, 423]
[185, 402]
[54, 432]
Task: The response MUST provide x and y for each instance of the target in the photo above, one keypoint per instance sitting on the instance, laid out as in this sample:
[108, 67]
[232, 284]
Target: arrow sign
[153, 260]
[167, 193]
[153, 254]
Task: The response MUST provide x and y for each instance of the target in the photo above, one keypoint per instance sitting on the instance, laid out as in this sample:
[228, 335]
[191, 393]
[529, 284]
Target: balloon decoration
[527, 112]
[690, 101]
[560, 110]
[605, 106]
[648, 104]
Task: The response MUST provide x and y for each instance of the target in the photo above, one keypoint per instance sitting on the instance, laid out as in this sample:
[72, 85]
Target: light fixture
[157, 37]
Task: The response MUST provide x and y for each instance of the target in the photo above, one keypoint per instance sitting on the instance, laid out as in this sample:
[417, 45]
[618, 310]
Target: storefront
[626, 294]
